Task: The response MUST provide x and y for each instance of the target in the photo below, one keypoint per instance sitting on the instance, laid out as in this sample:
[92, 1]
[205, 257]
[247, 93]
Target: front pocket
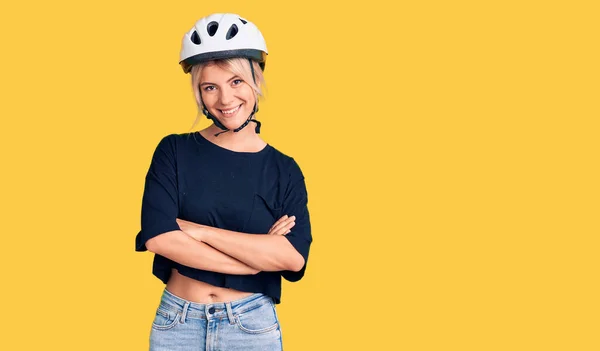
[259, 320]
[165, 319]
[262, 216]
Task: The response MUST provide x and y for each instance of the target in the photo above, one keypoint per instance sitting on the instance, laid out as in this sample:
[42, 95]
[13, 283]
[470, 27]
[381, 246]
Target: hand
[283, 225]
[192, 229]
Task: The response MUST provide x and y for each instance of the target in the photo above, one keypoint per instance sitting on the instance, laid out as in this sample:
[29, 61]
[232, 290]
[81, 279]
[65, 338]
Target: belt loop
[229, 312]
[184, 313]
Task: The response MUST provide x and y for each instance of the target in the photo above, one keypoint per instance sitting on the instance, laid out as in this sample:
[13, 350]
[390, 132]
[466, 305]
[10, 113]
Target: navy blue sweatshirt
[196, 180]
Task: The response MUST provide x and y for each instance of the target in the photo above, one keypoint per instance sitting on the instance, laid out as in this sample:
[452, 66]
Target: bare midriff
[201, 292]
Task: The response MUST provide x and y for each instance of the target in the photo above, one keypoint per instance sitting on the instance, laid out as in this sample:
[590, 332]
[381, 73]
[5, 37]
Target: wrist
[205, 233]
[195, 233]
[202, 233]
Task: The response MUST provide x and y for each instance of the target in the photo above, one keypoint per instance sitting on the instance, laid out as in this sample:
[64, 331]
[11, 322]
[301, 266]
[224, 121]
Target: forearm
[181, 248]
[269, 253]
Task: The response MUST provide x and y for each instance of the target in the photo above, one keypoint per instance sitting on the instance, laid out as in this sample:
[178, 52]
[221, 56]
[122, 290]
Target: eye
[237, 81]
[209, 88]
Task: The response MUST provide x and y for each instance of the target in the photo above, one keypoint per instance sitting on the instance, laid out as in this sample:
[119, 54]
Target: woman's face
[226, 95]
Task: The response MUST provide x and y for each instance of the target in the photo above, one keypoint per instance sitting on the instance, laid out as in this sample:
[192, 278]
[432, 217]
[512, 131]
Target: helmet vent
[212, 28]
[231, 32]
[243, 21]
[195, 38]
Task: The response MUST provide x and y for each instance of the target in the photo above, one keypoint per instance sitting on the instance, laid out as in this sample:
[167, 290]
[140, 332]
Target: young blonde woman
[224, 212]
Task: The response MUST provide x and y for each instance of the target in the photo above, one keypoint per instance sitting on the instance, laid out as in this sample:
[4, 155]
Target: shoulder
[288, 164]
[168, 140]
[170, 146]
[174, 141]
[179, 137]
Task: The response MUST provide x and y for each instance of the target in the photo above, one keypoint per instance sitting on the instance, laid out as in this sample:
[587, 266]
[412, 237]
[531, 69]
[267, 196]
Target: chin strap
[248, 120]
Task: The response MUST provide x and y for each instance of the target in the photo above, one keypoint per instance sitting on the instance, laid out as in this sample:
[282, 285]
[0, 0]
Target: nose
[226, 97]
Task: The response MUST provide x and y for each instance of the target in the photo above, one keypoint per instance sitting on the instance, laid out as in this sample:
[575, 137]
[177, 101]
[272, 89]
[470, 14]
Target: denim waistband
[189, 309]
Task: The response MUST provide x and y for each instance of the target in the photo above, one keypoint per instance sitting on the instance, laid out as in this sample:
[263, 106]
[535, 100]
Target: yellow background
[450, 150]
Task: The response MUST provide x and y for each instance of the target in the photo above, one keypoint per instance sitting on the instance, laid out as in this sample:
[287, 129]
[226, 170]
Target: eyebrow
[229, 80]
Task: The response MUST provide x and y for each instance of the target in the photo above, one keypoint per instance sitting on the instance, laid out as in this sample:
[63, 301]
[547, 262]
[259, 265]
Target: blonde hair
[237, 66]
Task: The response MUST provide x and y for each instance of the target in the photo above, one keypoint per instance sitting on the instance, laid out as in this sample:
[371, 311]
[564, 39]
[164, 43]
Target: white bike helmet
[221, 36]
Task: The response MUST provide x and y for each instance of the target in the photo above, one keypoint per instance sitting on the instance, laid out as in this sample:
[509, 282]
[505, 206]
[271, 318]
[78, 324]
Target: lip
[239, 107]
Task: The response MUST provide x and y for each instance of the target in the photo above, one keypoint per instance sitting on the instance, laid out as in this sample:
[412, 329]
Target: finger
[278, 228]
[277, 223]
[283, 218]
[283, 230]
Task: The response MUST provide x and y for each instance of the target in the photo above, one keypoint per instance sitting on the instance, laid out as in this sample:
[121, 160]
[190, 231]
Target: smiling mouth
[230, 112]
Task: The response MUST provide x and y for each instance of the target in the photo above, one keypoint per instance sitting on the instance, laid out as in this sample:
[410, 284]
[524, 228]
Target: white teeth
[232, 111]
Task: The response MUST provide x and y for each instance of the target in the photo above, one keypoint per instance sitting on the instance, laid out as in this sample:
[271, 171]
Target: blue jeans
[248, 324]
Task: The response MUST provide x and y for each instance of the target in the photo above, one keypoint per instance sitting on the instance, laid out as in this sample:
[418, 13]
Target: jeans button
[211, 310]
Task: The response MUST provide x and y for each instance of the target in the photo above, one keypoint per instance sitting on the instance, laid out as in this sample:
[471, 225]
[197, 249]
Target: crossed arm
[263, 252]
[218, 250]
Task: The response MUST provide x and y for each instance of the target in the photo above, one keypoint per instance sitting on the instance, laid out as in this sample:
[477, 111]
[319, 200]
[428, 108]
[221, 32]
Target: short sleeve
[296, 204]
[160, 200]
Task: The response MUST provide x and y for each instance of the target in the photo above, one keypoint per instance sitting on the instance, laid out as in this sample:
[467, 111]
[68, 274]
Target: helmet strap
[225, 129]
